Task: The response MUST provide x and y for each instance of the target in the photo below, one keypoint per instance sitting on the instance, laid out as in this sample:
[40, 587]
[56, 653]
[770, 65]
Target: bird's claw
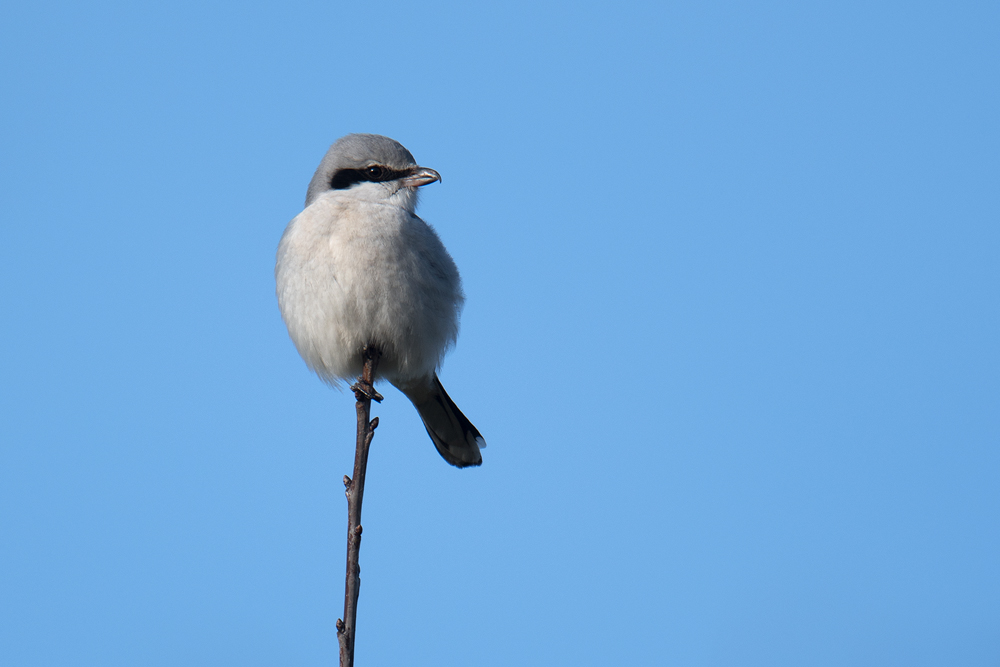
[363, 389]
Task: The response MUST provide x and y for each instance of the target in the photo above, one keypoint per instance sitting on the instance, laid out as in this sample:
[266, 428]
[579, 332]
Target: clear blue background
[732, 335]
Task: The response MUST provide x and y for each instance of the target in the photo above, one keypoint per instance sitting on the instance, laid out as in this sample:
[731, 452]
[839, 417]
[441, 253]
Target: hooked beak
[421, 176]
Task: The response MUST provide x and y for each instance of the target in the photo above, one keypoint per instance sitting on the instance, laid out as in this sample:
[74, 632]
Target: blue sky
[731, 334]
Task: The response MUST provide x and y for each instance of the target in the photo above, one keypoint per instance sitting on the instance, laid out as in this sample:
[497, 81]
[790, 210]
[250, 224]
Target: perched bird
[357, 267]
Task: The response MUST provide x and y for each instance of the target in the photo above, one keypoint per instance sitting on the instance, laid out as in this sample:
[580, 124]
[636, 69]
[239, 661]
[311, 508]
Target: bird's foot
[364, 390]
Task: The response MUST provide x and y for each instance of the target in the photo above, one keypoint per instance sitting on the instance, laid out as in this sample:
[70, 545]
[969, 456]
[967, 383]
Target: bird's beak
[421, 176]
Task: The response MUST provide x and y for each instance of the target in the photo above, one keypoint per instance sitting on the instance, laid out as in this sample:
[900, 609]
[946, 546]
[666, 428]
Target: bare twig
[364, 392]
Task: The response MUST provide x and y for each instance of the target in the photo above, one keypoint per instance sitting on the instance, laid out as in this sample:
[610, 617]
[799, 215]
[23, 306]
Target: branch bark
[364, 393]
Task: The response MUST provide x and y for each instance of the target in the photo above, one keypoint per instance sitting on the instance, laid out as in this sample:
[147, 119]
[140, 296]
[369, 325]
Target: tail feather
[454, 436]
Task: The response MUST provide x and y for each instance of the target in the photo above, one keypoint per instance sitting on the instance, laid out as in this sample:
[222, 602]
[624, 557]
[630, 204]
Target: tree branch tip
[364, 394]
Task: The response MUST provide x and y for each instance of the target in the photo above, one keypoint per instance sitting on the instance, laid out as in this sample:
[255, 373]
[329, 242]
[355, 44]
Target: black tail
[456, 439]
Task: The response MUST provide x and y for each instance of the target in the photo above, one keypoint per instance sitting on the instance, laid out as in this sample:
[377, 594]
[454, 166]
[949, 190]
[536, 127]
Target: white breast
[352, 271]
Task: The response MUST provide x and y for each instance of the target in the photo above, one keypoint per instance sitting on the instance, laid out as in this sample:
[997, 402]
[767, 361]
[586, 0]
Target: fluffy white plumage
[334, 303]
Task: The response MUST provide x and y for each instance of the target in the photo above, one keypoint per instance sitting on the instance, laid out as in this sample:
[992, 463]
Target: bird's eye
[375, 173]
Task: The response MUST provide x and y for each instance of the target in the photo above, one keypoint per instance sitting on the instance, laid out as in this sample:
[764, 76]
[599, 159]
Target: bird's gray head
[376, 167]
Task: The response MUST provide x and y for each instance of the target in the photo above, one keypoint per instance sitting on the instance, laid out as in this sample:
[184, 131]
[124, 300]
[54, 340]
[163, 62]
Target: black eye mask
[345, 178]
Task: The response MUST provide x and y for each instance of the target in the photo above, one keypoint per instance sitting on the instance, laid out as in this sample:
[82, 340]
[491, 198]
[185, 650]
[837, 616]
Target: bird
[357, 267]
